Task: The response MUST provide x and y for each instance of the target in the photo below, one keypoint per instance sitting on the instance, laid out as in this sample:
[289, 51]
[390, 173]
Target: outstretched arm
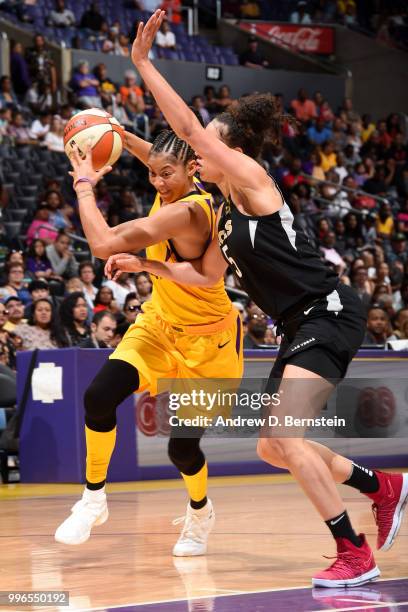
[204, 272]
[239, 167]
[137, 147]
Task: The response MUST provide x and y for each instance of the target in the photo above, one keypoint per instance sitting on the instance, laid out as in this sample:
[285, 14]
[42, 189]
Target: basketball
[98, 127]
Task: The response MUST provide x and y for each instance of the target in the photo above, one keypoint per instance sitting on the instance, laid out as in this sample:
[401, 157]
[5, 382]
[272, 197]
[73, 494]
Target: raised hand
[146, 33]
[123, 262]
[82, 166]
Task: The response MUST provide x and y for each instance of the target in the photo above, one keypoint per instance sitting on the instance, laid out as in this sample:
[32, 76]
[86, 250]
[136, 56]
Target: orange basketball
[101, 130]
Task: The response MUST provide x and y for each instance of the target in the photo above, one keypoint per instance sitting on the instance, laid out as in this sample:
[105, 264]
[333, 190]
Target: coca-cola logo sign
[304, 39]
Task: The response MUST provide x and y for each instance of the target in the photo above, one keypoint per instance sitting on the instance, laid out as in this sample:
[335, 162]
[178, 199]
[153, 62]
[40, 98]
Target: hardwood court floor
[267, 535]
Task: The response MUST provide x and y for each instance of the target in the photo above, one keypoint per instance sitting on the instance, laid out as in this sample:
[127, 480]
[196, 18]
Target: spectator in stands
[61, 17]
[107, 88]
[328, 156]
[293, 175]
[62, 260]
[38, 263]
[73, 285]
[86, 86]
[121, 287]
[15, 284]
[104, 300]
[15, 308]
[305, 109]
[110, 42]
[130, 207]
[19, 72]
[54, 139]
[39, 289]
[251, 58]
[301, 16]
[210, 100]
[5, 121]
[73, 315]
[103, 197]
[398, 253]
[103, 328]
[360, 282]
[41, 126]
[86, 273]
[378, 326]
[197, 103]
[249, 9]
[39, 97]
[173, 10]
[8, 98]
[41, 330]
[330, 254]
[132, 94]
[256, 330]
[318, 133]
[144, 286]
[59, 211]
[40, 63]
[131, 307]
[223, 99]
[385, 221]
[92, 18]
[165, 37]
[122, 46]
[41, 226]
[400, 322]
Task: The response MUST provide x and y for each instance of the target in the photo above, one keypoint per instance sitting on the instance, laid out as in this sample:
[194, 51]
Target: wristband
[83, 179]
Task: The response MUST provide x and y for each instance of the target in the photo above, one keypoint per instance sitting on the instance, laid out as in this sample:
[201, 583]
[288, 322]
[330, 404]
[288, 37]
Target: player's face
[171, 178]
[208, 170]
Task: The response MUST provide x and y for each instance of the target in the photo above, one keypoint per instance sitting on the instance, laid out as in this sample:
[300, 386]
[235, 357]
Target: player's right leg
[112, 385]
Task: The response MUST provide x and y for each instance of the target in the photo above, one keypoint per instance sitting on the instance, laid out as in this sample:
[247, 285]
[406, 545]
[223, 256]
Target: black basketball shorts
[325, 336]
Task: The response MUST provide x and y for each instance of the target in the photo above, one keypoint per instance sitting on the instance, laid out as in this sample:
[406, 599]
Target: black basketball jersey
[274, 261]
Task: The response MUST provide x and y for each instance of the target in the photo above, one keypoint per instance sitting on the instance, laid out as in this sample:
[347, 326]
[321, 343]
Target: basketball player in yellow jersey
[183, 332]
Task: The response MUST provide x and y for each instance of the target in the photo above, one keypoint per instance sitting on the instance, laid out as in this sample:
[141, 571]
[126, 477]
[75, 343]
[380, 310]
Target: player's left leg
[355, 563]
[186, 454]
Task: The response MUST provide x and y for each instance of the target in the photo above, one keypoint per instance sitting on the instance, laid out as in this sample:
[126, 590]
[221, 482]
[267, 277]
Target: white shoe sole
[100, 521]
[352, 582]
[398, 514]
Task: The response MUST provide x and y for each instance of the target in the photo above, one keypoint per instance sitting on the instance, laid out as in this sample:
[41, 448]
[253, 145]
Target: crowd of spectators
[344, 175]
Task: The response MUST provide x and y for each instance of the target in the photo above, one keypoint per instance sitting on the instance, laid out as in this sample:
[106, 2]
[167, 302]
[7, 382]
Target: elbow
[100, 251]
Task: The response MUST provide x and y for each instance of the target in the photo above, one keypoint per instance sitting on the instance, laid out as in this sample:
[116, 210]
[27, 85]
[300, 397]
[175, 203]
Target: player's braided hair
[168, 142]
[251, 121]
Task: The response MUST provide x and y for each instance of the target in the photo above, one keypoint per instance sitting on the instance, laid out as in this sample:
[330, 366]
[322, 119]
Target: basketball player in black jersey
[321, 319]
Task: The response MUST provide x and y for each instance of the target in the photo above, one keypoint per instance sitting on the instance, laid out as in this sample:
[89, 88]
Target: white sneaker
[88, 512]
[197, 527]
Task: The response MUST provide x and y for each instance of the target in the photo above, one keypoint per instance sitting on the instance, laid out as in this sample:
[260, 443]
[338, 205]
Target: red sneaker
[353, 566]
[388, 507]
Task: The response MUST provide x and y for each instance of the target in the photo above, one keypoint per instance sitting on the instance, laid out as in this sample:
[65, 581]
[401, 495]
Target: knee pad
[186, 455]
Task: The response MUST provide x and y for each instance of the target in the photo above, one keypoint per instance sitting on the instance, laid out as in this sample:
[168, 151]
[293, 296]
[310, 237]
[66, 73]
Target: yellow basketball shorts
[160, 350]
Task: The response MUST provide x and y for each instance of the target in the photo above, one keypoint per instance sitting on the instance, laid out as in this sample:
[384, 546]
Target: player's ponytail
[251, 121]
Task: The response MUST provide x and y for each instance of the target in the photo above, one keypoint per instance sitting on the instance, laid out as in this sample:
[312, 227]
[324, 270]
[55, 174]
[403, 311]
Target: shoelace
[192, 527]
[92, 510]
[385, 513]
[345, 561]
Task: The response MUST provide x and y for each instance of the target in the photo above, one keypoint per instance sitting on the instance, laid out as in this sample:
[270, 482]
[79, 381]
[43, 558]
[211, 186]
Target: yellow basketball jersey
[185, 304]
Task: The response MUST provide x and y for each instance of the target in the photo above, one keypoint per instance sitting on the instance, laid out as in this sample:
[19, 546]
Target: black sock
[340, 527]
[363, 479]
[95, 486]
[196, 505]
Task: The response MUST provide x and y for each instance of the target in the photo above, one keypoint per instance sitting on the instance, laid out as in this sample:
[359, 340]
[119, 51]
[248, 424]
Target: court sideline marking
[296, 588]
